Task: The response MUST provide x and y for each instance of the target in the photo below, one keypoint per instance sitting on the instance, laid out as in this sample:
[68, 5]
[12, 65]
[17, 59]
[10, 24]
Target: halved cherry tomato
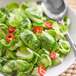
[41, 70]
[48, 25]
[52, 55]
[37, 29]
[11, 29]
[9, 37]
[58, 22]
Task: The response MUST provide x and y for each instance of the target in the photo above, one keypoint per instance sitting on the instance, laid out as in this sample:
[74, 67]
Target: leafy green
[47, 40]
[15, 20]
[21, 65]
[43, 51]
[16, 45]
[29, 69]
[27, 4]
[12, 6]
[35, 58]
[25, 21]
[30, 39]
[61, 30]
[2, 34]
[56, 61]
[35, 14]
[51, 32]
[4, 43]
[0, 52]
[2, 17]
[9, 66]
[24, 53]
[45, 61]
[4, 28]
[0, 67]
[67, 20]
[35, 72]
[64, 46]
[21, 74]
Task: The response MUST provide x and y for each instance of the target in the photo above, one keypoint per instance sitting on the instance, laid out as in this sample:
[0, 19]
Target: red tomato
[9, 37]
[52, 55]
[48, 25]
[37, 29]
[11, 29]
[58, 22]
[41, 70]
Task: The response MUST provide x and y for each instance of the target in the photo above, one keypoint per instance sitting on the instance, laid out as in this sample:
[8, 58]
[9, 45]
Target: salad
[30, 42]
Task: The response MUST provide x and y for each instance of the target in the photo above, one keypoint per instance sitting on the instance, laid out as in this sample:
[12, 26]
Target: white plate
[70, 58]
